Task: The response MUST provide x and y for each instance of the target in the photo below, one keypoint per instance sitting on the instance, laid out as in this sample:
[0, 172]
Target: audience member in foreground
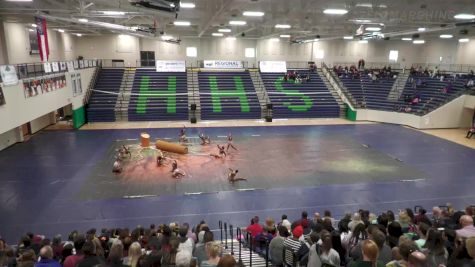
[370, 252]
[46, 258]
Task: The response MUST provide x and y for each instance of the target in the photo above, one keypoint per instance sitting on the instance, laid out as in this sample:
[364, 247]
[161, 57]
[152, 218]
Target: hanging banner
[170, 66]
[8, 73]
[62, 66]
[47, 67]
[273, 66]
[223, 64]
[55, 66]
[70, 65]
[81, 64]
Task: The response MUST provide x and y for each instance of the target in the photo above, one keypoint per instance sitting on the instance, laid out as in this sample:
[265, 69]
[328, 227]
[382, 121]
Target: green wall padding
[350, 114]
[79, 117]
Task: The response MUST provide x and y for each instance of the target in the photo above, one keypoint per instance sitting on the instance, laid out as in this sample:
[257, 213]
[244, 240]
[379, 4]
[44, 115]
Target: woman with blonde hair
[213, 250]
[135, 251]
[370, 252]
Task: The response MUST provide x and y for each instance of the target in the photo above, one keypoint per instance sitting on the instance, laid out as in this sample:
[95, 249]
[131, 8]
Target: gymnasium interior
[149, 133]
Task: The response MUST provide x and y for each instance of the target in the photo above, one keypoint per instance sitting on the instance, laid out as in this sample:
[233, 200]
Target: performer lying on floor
[117, 166]
[182, 136]
[124, 151]
[232, 176]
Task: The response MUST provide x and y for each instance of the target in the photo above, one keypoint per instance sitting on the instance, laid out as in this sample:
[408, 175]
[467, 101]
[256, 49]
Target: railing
[31, 70]
[342, 91]
[369, 65]
[92, 83]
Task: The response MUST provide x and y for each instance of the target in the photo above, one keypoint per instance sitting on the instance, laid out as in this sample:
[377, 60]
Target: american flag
[42, 35]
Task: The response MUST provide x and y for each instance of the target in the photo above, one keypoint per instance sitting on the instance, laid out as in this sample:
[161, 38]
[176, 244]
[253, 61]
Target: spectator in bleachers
[227, 261]
[471, 131]
[355, 220]
[285, 222]
[183, 258]
[25, 259]
[270, 224]
[417, 259]
[116, 254]
[338, 247]
[422, 217]
[213, 251]
[169, 256]
[467, 229]
[379, 238]
[394, 232]
[405, 220]
[71, 261]
[204, 237]
[469, 83]
[460, 256]
[422, 229]
[66, 252]
[135, 251]
[254, 228]
[46, 258]
[470, 244]
[304, 217]
[276, 246]
[405, 248]
[357, 235]
[328, 254]
[370, 252]
[186, 243]
[293, 244]
[434, 248]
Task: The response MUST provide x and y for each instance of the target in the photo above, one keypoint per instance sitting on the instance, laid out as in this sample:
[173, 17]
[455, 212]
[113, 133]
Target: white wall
[41, 122]
[108, 46]
[19, 110]
[10, 137]
[455, 114]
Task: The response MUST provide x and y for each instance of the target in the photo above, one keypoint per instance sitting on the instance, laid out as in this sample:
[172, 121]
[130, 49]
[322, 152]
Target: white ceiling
[399, 17]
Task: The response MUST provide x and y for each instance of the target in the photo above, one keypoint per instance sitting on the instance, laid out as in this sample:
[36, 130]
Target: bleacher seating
[101, 105]
[431, 93]
[228, 95]
[310, 99]
[158, 96]
[370, 94]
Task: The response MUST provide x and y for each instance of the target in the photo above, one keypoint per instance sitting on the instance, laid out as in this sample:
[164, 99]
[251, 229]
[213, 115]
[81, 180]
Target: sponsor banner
[9, 76]
[223, 64]
[170, 66]
[273, 66]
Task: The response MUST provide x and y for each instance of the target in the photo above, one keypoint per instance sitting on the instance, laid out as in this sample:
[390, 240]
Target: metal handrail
[92, 83]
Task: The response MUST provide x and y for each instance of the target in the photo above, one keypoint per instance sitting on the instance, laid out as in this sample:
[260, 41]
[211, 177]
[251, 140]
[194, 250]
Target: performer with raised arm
[123, 151]
[232, 176]
[182, 136]
[230, 142]
[205, 140]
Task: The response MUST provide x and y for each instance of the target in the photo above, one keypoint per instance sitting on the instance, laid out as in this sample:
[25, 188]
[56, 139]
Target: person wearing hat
[299, 248]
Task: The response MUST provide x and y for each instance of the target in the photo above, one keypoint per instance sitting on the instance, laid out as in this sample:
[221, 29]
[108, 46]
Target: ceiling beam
[224, 5]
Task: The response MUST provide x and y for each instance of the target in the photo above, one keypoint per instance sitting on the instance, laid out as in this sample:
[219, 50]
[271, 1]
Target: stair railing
[239, 238]
[232, 238]
[92, 83]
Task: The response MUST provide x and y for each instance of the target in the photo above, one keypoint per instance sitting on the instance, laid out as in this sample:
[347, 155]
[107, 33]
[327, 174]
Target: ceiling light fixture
[113, 13]
[78, 34]
[166, 37]
[446, 36]
[181, 23]
[217, 34]
[406, 39]
[34, 25]
[31, 30]
[464, 40]
[231, 38]
[19, 0]
[464, 16]
[348, 37]
[419, 42]
[285, 36]
[83, 20]
[237, 22]
[373, 29]
[283, 26]
[362, 20]
[253, 13]
[421, 29]
[187, 5]
[224, 30]
[363, 41]
[335, 11]
[60, 30]
[274, 39]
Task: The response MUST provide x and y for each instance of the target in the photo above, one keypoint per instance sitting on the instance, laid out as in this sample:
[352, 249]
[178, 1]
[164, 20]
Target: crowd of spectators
[446, 238]
[165, 245]
[356, 73]
[412, 239]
